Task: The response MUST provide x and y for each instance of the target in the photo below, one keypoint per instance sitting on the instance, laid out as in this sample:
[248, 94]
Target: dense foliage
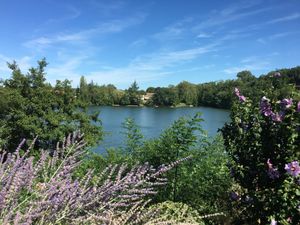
[263, 142]
[214, 94]
[94, 94]
[202, 183]
[29, 106]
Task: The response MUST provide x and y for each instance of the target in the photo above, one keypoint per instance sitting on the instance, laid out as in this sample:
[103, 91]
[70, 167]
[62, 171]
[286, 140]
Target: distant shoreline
[147, 106]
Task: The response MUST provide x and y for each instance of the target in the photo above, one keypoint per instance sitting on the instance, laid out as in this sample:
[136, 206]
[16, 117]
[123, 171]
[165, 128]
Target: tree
[245, 76]
[187, 93]
[132, 96]
[33, 107]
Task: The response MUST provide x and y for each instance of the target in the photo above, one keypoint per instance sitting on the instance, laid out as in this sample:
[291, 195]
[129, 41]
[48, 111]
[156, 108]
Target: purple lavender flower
[298, 107]
[287, 103]
[293, 168]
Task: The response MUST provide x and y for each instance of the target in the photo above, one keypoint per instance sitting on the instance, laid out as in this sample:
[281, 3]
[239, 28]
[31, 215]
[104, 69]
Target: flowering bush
[43, 191]
[264, 143]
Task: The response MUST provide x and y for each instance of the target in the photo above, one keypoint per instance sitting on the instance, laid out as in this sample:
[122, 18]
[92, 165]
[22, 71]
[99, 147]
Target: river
[152, 121]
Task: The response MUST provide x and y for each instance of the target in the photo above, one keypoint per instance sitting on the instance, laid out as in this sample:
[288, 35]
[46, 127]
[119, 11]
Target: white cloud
[149, 67]
[204, 35]
[24, 63]
[66, 69]
[173, 31]
[230, 14]
[110, 27]
[72, 13]
[276, 36]
[284, 19]
[253, 66]
[138, 43]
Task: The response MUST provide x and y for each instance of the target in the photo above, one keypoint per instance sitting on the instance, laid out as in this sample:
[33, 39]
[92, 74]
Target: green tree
[187, 93]
[33, 107]
[133, 93]
[133, 136]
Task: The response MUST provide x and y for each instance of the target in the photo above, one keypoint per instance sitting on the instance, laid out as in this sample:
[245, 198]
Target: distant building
[147, 97]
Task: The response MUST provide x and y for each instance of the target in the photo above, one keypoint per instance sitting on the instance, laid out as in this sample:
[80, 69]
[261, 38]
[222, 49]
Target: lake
[152, 121]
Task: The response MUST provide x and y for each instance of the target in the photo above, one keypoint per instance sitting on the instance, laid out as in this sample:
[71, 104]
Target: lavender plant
[44, 191]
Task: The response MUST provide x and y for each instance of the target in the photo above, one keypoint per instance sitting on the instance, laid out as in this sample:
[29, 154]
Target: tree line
[217, 94]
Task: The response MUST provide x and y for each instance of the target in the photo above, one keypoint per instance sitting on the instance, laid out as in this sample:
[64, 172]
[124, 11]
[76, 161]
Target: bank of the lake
[152, 121]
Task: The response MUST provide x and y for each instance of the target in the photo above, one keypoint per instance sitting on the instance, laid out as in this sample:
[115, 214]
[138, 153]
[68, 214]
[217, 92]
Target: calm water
[152, 121]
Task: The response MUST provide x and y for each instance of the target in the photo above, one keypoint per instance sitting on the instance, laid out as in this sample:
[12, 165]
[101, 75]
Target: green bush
[262, 141]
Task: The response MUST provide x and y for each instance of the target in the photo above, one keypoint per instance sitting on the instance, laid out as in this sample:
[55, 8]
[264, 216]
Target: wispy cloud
[174, 31]
[253, 67]
[110, 27]
[204, 35]
[252, 63]
[65, 69]
[230, 14]
[138, 43]
[264, 40]
[107, 7]
[149, 67]
[284, 18]
[72, 13]
[24, 64]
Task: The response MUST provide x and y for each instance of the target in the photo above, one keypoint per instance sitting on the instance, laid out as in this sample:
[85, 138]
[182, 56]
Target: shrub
[264, 143]
[43, 191]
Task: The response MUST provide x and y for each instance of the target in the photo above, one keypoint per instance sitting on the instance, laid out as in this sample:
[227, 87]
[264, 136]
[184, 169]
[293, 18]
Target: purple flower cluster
[272, 172]
[298, 107]
[234, 196]
[265, 106]
[266, 109]
[242, 98]
[287, 103]
[293, 168]
[35, 192]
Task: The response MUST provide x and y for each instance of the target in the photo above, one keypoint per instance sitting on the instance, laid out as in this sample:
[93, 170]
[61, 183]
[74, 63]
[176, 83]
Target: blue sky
[156, 43]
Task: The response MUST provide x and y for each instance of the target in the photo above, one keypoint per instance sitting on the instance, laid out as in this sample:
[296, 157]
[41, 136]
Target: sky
[153, 42]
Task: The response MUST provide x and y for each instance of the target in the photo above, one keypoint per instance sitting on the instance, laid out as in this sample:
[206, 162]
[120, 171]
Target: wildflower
[298, 107]
[242, 98]
[287, 103]
[272, 172]
[265, 107]
[293, 168]
[273, 222]
[237, 92]
[234, 196]
[277, 117]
